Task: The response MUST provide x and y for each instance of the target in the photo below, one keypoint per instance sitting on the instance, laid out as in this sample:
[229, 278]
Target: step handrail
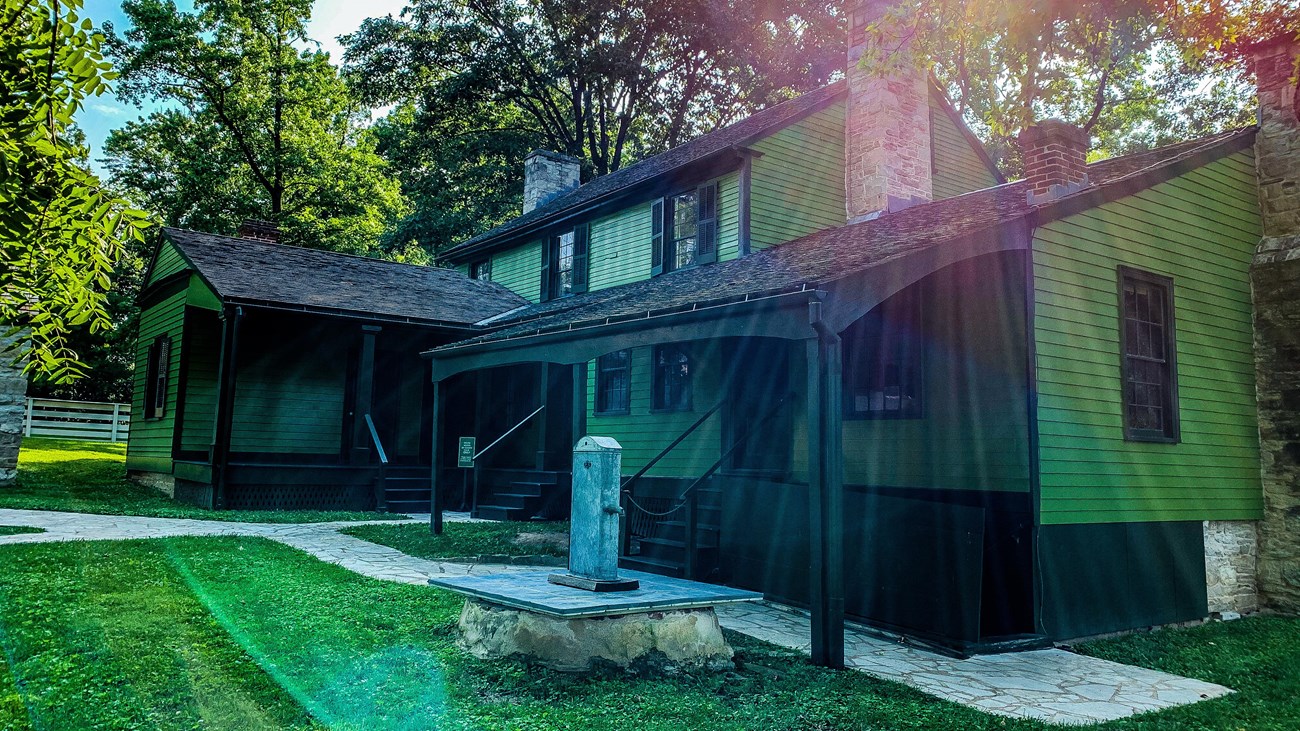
[374, 437]
[664, 452]
[381, 480]
[509, 431]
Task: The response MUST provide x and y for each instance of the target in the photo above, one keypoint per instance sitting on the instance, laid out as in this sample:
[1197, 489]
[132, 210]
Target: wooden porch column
[364, 396]
[219, 453]
[435, 463]
[579, 401]
[543, 392]
[825, 492]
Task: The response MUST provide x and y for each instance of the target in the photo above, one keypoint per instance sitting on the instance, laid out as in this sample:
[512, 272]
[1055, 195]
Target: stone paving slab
[1050, 685]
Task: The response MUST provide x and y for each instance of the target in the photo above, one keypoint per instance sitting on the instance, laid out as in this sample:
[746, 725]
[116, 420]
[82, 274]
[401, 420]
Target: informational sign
[465, 454]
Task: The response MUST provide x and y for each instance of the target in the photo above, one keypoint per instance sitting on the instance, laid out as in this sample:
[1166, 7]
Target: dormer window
[684, 229]
[481, 269]
[564, 264]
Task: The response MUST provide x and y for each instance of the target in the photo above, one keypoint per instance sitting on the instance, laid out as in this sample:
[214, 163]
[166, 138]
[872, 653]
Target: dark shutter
[657, 238]
[581, 235]
[151, 380]
[544, 293]
[161, 370]
[706, 242]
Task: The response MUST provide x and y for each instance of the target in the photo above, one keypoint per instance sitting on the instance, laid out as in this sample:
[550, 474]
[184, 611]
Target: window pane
[672, 378]
[612, 387]
[684, 215]
[686, 253]
[562, 273]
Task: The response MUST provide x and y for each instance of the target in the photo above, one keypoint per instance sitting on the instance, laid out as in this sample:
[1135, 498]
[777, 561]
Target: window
[481, 269]
[1150, 381]
[684, 229]
[883, 376]
[564, 264]
[671, 383]
[613, 383]
[156, 372]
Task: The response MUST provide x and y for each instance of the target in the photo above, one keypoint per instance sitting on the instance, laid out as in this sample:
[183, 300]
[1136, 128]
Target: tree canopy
[61, 232]
[257, 125]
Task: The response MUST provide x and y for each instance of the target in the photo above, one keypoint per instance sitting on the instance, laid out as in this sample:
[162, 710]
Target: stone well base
[685, 638]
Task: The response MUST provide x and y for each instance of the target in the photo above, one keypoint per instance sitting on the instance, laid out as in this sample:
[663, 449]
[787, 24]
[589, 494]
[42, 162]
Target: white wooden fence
[90, 420]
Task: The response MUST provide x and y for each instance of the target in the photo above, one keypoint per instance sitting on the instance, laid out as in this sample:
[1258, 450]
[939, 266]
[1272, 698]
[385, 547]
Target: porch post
[579, 401]
[364, 396]
[824, 356]
[219, 454]
[543, 392]
[435, 463]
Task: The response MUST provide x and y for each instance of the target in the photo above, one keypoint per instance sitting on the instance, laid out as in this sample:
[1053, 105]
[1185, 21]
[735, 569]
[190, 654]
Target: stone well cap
[597, 444]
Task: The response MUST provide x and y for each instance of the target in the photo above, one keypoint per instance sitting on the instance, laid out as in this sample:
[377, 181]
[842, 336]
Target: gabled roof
[835, 253]
[732, 136]
[258, 272]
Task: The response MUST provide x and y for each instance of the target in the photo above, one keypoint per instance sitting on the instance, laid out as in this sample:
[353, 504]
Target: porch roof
[257, 272]
[925, 236]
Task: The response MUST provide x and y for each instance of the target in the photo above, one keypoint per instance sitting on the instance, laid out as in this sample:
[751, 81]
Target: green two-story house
[853, 368]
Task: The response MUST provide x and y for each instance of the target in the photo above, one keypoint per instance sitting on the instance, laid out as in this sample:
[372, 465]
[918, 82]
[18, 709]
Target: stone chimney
[1275, 281]
[1056, 159]
[547, 176]
[887, 126]
[259, 231]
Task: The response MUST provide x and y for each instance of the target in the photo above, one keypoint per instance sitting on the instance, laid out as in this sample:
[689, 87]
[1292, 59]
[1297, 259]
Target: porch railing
[643, 517]
[381, 494]
[474, 493]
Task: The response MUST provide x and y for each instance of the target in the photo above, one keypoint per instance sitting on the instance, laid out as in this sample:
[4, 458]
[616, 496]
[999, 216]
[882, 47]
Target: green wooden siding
[957, 167]
[149, 446]
[168, 262]
[1200, 229]
[202, 362]
[973, 434]
[520, 269]
[290, 392]
[201, 295]
[797, 185]
[620, 248]
[643, 434]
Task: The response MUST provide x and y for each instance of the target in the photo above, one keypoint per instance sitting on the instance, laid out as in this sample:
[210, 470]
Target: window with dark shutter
[657, 238]
[706, 237]
[1147, 344]
[883, 374]
[581, 268]
[156, 374]
[614, 383]
[671, 380]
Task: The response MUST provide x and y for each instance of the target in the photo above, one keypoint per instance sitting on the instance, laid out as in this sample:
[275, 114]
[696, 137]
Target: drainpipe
[825, 490]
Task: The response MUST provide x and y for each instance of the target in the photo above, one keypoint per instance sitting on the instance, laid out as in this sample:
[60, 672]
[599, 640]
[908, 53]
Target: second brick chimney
[887, 125]
[259, 231]
[547, 176]
[1056, 159]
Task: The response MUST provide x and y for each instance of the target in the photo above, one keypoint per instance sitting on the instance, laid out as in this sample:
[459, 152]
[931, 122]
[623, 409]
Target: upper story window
[614, 383]
[157, 371]
[481, 269]
[564, 264]
[671, 381]
[684, 229]
[883, 375]
[1150, 377]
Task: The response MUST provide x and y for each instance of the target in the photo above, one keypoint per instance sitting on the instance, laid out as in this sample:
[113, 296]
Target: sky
[330, 19]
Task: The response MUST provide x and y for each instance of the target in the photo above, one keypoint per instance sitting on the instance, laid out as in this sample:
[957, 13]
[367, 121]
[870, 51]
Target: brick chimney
[887, 126]
[256, 230]
[547, 176]
[1056, 159]
[1275, 283]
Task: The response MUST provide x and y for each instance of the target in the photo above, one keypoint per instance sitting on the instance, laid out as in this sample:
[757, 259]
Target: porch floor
[1053, 685]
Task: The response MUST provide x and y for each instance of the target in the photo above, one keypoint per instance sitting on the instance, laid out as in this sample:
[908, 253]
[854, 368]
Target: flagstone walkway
[1052, 685]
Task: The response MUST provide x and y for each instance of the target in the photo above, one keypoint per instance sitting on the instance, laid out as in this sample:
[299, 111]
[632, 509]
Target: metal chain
[653, 513]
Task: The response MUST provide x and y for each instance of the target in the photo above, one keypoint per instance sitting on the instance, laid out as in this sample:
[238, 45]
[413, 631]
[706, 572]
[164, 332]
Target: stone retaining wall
[1231, 549]
[13, 400]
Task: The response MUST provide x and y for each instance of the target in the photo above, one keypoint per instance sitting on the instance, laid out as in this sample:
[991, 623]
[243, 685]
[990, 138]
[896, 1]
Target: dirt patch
[557, 541]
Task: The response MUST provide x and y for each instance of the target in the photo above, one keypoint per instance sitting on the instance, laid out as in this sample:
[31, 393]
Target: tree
[1132, 73]
[480, 82]
[259, 128]
[61, 232]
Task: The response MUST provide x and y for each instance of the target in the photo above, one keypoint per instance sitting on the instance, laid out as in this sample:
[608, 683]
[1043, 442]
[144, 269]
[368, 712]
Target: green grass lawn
[471, 539]
[13, 530]
[90, 477]
[233, 633]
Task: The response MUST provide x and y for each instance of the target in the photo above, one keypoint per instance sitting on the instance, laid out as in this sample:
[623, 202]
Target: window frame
[663, 239]
[158, 376]
[487, 269]
[602, 372]
[912, 298]
[1172, 433]
[655, 407]
[579, 262]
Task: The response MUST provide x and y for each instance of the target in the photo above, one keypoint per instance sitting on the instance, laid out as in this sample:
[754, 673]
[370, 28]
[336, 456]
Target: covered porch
[861, 447]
